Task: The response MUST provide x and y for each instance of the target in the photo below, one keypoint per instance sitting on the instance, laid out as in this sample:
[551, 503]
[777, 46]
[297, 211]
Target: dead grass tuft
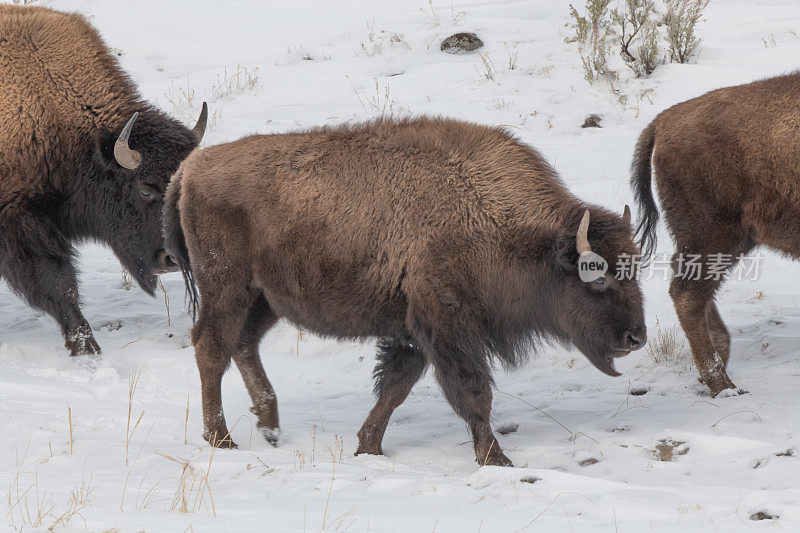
[240, 80]
[663, 347]
[192, 491]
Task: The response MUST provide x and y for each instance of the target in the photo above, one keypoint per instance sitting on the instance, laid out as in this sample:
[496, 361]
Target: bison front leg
[399, 367]
[36, 261]
[468, 389]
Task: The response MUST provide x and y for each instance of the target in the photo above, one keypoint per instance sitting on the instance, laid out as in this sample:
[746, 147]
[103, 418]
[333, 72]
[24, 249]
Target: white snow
[738, 454]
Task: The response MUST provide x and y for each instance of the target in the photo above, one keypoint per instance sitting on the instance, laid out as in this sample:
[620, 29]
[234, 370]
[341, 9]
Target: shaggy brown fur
[726, 168]
[63, 102]
[453, 243]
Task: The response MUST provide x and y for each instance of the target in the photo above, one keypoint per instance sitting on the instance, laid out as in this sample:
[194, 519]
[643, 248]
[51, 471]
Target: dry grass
[513, 55]
[192, 491]
[166, 300]
[130, 471]
[183, 101]
[337, 450]
[240, 80]
[379, 102]
[187, 107]
[133, 381]
[432, 14]
[663, 347]
[69, 417]
[376, 40]
[486, 68]
[328, 499]
[186, 422]
[127, 280]
[297, 344]
[79, 499]
[32, 507]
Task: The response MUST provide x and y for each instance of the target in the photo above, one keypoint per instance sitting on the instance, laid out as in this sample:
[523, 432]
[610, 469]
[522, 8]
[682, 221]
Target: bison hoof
[81, 342]
[727, 393]
[271, 435]
[722, 386]
[225, 443]
[494, 459]
[368, 449]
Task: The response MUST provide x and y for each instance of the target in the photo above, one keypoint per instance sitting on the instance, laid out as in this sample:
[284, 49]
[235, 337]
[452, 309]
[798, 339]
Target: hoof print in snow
[763, 515]
[530, 479]
[114, 325]
[592, 121]
[588, 462]
[461, 43]
[639, 391]
[786, 453]
[505, 429]
[667, 449]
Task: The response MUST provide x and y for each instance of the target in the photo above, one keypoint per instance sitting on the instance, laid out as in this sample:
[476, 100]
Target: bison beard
[82, 157]
[452, 243]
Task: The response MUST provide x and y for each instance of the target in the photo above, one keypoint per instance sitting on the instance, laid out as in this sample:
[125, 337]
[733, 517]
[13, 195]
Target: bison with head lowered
[452, 243]
[82, 157]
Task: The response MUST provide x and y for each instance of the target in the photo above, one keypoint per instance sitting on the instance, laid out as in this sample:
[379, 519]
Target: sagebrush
[644, 36]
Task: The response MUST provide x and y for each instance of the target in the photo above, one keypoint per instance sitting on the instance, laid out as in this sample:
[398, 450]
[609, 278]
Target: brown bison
[452, 243]
[725, 165]
[82, 157]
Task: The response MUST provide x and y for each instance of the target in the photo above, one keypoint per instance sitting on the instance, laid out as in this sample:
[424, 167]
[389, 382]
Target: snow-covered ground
[78, 449]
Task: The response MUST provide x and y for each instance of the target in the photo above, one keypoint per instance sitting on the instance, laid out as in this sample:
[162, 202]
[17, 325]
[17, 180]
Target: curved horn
[200, 128]
[582, 238]
[126, 157]
[626, 215]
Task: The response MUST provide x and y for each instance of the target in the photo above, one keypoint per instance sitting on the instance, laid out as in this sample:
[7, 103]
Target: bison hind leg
[399, 367]
[720, 337]
[216, 336]
[260, 318]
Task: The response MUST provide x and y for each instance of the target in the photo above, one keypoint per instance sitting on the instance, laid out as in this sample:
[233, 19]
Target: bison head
[596, 299]
[137, 165]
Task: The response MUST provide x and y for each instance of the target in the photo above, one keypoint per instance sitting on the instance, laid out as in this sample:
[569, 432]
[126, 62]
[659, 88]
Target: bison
[725, 167]
[82, 157]
[453, 244]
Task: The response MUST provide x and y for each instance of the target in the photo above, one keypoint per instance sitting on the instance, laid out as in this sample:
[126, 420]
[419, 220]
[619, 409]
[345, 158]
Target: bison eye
[600, 281]
[147, 193]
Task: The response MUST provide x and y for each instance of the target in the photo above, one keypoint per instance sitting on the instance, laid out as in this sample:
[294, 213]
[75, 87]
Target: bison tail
[641, 174]
[175, 240]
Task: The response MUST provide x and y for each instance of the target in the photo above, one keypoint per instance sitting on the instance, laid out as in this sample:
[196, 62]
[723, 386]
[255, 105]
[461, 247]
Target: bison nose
[634, 342]
[165, 263]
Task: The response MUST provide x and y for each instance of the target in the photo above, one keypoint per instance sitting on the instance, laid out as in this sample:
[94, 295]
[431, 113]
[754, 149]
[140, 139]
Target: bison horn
[200, 128]
[582, 239]
[626, 215]
[126, 157]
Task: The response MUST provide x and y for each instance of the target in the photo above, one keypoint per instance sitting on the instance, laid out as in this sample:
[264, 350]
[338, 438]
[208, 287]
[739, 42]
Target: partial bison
[82, 157]
[452, 243]
[726, 169]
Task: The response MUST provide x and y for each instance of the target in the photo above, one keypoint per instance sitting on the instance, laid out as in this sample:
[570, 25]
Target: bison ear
[103, 145]
[564, 252]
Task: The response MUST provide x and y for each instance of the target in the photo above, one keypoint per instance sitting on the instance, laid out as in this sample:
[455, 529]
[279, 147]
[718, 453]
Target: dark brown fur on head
[63, 103]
